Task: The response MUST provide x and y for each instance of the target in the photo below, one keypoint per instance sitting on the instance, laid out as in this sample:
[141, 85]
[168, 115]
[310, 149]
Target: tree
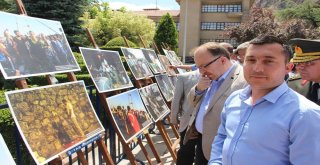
[262, 21]
[118, 42]
[309, 11]
[8, 6]
[110, 24]
[166, 32]
[65, 11]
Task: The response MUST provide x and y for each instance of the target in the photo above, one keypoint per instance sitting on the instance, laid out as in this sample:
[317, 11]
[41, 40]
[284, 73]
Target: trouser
[200, 159]
[186, 153]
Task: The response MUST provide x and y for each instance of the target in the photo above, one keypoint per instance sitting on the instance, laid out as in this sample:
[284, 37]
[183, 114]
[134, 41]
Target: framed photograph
[174, 59]
[5, 154]
[166, 63]
[53, 119]
[137, 63]
[32, 46]
[154, 102]
[165, 86]
[106, 69]
[129, 114]
[153, 61]
[173, 80]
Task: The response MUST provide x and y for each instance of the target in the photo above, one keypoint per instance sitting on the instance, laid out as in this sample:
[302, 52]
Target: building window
[231, 41]
[177, 26]
[217, 25]
[221, 8]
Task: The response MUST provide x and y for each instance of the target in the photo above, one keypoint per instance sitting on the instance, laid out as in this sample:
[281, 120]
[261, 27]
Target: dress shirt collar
[225, 74]
[272, 96]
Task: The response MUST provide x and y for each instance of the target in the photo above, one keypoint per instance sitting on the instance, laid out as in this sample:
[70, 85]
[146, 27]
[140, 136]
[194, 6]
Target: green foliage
[166, 32]
[263, 21]
[118, 42]
[108, 24]
[8, 6]
[65, 11]
[309, 10]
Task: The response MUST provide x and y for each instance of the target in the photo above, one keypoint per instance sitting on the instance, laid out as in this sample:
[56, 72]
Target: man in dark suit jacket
[181, 105]
[219, 78]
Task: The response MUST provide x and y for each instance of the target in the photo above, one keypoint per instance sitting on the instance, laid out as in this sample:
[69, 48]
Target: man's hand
[203, 83]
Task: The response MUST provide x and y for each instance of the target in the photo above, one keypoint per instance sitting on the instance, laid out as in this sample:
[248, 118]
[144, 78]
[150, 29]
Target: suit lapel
[225, 86]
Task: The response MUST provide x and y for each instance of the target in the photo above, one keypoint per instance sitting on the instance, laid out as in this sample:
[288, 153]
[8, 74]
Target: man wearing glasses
[307, 61]
[219, 78]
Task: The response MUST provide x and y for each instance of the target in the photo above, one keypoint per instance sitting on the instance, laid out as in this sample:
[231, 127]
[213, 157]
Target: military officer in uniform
[307, 60]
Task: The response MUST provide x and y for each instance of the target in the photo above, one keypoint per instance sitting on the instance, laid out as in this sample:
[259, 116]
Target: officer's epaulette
[294, 77]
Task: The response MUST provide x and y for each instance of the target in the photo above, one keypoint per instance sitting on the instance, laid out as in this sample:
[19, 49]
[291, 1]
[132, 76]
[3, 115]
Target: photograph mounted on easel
[53, 119]
[32, 46]
[153, 61]
[166, 63]
[106, 69]
[154, 102]
[165, 86]
[137, 63]
[129, 114]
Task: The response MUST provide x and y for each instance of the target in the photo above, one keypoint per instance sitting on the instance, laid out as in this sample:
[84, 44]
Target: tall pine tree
[166, 32]
[65, 11]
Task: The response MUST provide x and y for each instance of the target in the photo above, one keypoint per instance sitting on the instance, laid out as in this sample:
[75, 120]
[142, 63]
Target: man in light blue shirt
[267, 123]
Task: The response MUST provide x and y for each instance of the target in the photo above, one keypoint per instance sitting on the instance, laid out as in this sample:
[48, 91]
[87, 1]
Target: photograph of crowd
[154, 102]
[53, 119]
[106, 69]
[137, 63]
[153, 61]
[32, 46]
[166, 63]
[165, 86]
[129, 114]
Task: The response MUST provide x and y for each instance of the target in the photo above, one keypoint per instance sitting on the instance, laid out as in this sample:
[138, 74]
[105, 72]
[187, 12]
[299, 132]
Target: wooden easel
[22, 84]
[125, 145]
[163, 132]
[174, 129]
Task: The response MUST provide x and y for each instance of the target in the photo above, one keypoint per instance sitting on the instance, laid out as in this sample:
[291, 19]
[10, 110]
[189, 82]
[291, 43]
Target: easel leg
[165, 133]
[128, 152]
[144, 151]
[166, 140]
[174, 129]
[153, 148]
[105, 153]
[57, 161]
[82, 158]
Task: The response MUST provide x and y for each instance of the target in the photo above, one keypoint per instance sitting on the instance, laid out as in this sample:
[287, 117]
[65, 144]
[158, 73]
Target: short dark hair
[269, 39]
[230, 49]
[215, 49]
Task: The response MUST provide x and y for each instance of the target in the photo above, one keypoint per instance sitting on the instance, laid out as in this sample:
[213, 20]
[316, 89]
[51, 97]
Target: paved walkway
[160, 147]
[137, 152]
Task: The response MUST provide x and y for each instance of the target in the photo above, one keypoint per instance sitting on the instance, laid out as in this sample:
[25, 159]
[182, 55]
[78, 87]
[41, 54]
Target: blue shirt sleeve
[199, 92]
[194, 67]
[304, 138]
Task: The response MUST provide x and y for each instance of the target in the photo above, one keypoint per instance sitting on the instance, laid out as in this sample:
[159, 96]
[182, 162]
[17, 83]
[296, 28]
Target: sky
[25, 24]
[123, 100]
[142, 4]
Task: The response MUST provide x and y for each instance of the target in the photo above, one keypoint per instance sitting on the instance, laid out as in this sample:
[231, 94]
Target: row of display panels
[54, 119]
[32, 46]
[108, 73]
